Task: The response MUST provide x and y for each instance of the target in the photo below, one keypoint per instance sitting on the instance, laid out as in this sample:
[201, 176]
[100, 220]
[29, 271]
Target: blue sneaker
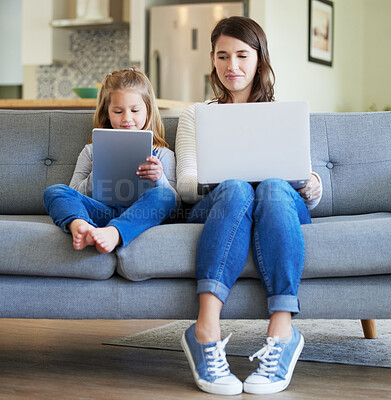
[277, 361]
[209, 365]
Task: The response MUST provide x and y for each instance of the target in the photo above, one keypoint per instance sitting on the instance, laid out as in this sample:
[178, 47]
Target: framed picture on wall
[321, 32]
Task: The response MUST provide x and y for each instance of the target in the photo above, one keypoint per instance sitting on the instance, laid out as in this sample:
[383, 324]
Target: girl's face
[236, 65]
[127, 110]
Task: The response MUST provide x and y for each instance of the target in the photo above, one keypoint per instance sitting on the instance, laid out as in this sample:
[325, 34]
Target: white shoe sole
[275, 387]
[206, 386]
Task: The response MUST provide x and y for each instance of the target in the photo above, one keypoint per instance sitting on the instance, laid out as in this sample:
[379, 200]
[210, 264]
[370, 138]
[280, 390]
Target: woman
[242, 73]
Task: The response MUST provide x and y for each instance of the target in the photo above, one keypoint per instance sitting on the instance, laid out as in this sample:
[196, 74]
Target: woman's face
[127, 110]
[236, 65]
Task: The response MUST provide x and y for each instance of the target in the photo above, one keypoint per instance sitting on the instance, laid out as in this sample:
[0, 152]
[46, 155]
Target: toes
[103, 240]
[90, 240]
[77, 246]
[103, 247]
[82, 237]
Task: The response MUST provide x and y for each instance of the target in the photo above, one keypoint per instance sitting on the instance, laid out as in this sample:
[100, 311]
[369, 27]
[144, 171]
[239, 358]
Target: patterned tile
[93, 54]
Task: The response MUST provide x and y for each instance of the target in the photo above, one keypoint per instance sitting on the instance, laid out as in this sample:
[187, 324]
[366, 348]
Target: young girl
[271, 214]
[125, 101]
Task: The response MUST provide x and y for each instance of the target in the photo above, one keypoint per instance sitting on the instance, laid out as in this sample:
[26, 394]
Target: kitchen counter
[52, 104]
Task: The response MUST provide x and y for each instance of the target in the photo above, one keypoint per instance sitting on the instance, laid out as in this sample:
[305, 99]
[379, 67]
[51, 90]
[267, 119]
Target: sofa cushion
[347, 246]
[335, 247]
[38, 247]
[44, 219]
[350, 151]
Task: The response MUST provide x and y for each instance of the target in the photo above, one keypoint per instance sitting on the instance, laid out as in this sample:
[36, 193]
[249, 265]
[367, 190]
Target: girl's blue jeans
[272, 215]
[65, 204]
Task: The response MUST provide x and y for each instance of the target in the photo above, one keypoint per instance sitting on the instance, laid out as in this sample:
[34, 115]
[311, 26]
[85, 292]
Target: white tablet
[117, 154]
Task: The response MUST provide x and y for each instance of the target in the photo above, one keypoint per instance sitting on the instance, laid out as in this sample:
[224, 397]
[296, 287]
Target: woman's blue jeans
[231, 213]
[65, 204]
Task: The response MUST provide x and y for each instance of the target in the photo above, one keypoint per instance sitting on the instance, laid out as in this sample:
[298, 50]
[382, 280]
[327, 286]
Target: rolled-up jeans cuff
[215, 287]
[284, 303]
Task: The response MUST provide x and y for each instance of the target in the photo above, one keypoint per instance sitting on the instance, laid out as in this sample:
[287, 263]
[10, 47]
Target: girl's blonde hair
[136, 80]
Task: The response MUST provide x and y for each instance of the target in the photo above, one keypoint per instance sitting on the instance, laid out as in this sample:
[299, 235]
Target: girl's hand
[152, 170]
[312, 190]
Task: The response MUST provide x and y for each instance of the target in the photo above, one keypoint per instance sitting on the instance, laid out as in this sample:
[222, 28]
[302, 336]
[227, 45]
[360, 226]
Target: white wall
[328, 89]
[349, 54]
[377, 54]
[360, 73]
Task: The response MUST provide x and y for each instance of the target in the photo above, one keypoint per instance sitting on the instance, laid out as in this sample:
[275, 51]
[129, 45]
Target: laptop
[252, 142]
[117, 153]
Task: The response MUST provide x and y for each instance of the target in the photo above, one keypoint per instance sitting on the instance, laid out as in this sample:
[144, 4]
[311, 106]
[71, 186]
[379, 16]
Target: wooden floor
[53, 359]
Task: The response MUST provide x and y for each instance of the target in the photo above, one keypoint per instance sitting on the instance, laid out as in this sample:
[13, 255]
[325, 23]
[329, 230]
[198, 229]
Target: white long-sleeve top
[185, 150]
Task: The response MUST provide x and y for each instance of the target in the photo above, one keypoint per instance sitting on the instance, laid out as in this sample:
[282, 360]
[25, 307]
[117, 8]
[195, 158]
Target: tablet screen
[117, 153]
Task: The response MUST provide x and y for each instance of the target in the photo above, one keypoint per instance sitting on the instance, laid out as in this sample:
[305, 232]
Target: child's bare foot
[106, 239]
[81, 232]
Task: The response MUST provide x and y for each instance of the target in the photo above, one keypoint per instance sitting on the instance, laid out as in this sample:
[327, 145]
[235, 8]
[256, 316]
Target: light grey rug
[332, 341]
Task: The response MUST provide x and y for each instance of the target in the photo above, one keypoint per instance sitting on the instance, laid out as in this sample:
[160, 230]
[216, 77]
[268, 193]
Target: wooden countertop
[51, 104]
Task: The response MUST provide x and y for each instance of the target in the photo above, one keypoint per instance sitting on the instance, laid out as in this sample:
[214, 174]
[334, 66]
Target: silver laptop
[117, 153]
[252, 142]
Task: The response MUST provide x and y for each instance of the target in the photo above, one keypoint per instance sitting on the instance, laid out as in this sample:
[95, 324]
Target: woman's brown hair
[133, 79]
[249, 32]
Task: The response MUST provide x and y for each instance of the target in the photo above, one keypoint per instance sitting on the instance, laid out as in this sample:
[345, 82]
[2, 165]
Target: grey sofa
[347, 270]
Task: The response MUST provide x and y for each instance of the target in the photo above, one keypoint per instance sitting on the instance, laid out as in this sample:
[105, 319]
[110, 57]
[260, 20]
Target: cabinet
[41, 43]
[10, 42]
[44, 39]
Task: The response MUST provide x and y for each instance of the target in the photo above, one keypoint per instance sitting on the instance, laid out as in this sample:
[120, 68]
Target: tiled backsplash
[94, 53]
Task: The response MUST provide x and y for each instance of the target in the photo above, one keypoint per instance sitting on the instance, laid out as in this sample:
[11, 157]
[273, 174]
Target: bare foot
[81, 232]
[106, 239]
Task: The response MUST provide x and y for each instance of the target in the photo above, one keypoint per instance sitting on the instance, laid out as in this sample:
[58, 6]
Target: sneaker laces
[268, 357]
[217, 362]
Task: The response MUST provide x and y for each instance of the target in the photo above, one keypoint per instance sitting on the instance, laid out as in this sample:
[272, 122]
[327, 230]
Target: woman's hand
[152, 170]
[312, 190]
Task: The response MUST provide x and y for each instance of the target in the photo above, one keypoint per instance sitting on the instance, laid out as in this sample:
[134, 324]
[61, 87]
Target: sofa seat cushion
[44, 219]
[33, 245]
[339, 246]
[351, 245]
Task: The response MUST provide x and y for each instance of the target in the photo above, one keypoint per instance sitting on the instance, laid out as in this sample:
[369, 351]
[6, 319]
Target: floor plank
[59, 359]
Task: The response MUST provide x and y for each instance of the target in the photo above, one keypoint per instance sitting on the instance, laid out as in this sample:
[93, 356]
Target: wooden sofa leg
[369, 328]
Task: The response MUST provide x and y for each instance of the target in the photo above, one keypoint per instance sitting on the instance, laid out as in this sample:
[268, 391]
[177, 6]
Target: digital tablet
[117, 154]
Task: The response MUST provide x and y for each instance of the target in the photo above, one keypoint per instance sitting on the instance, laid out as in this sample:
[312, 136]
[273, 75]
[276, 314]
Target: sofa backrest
[39, 149]
[352, 154]
[350, 151]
